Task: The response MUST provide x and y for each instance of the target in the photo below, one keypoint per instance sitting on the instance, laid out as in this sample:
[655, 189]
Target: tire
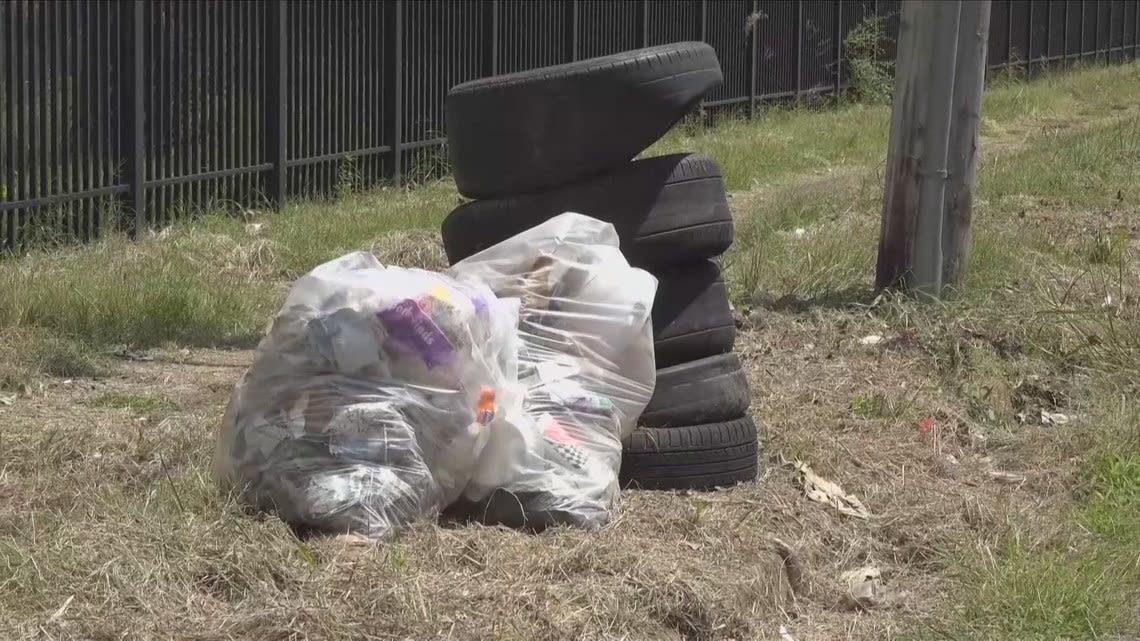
[709, 390]
[667, 210]
[529, 511]
[691, 315]
[693, 457]
[524, 132]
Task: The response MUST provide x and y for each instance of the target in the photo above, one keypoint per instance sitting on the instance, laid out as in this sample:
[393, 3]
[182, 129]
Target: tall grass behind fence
[132, 113]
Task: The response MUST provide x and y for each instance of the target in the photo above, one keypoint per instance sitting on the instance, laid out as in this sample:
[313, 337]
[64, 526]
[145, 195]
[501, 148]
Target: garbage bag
[371, 397]
[587, 369]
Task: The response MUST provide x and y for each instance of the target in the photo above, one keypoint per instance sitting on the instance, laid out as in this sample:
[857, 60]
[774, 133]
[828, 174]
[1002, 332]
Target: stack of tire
[529, 146]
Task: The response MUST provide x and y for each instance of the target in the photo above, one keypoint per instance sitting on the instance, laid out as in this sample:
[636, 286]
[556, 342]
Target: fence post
[799, 36]
[753, 52]
[277, 100]
[136, 134]
[1028, 39]
[572, 30]
[1065, 35]
[490, 37]
[1081, 27]
[394, 81]
[643, 23]
[838, 48]
[1009, 34]
[1123, 30]
[703, 17]
[1096, 30]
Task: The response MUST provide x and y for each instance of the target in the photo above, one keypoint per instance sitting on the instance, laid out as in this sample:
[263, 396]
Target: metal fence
[132, 113]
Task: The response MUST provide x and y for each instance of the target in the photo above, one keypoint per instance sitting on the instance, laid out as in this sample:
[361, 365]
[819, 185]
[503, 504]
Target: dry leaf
[819, 489]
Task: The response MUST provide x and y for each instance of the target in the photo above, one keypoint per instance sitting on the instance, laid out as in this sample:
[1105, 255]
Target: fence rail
[131, 113]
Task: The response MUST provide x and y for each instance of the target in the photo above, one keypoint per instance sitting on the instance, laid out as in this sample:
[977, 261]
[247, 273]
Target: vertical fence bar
[1048, 34]
[571, 27]
[395, 85]
[1028, 38]
[1081, 25]
[11, 180]
[31, 79]
[277, 100]
[642, 23]
[1009, 34]
[753, 53]
[703, 18]
[1065, 35]
[1123, 30]
[490, 37]
[135, 131]
[799, 35]
[838, 48]
[1096, 30]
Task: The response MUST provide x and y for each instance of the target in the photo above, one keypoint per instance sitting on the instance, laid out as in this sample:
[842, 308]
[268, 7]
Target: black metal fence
[135, 112]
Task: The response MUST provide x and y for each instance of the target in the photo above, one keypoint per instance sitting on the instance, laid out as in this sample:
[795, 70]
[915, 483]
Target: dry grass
[110, 528]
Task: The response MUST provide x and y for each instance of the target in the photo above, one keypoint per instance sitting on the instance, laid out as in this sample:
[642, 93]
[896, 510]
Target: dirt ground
[697, 566]
[959, 437]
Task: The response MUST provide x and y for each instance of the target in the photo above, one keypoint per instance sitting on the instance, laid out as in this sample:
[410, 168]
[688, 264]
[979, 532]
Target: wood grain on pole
[969, 79]
[910, 243]
[916, 152]
[900, 196]
[925, 276]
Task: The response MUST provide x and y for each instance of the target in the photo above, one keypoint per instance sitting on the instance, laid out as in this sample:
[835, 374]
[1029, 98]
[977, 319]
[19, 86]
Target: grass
[140, 403]
[992, 518]
[1083, 586]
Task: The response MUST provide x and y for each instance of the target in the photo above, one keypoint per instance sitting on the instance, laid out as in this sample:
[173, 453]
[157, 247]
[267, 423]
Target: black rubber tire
[709, 390]
[667, 210]
[691, 315]
[528, 511]
[692, 457]
[532, 130]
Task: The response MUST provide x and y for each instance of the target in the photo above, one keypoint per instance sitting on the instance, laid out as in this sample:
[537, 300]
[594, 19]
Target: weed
[139, 403]
[875, 406]
[872, 78]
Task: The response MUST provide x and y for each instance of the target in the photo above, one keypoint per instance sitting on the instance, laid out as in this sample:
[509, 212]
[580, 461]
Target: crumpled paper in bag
[382, 395]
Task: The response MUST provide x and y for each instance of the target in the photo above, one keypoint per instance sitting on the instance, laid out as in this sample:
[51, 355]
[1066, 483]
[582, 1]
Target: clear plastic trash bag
[587, 368]
[371, 398]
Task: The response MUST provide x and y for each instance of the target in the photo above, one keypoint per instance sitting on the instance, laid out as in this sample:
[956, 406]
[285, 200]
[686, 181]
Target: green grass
[148, 404]
[1053, 296]
[211, 283]
[1084, 586]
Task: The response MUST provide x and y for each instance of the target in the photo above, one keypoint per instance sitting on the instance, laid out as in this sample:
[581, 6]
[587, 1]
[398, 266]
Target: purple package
[412, 331]
[476, 298]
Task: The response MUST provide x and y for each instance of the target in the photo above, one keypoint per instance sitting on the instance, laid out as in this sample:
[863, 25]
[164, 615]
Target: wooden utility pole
[926, 154]
[969, 79]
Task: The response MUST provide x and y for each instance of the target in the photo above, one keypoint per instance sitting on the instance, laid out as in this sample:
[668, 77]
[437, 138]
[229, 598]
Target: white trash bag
[587, 366]
[371, 398]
